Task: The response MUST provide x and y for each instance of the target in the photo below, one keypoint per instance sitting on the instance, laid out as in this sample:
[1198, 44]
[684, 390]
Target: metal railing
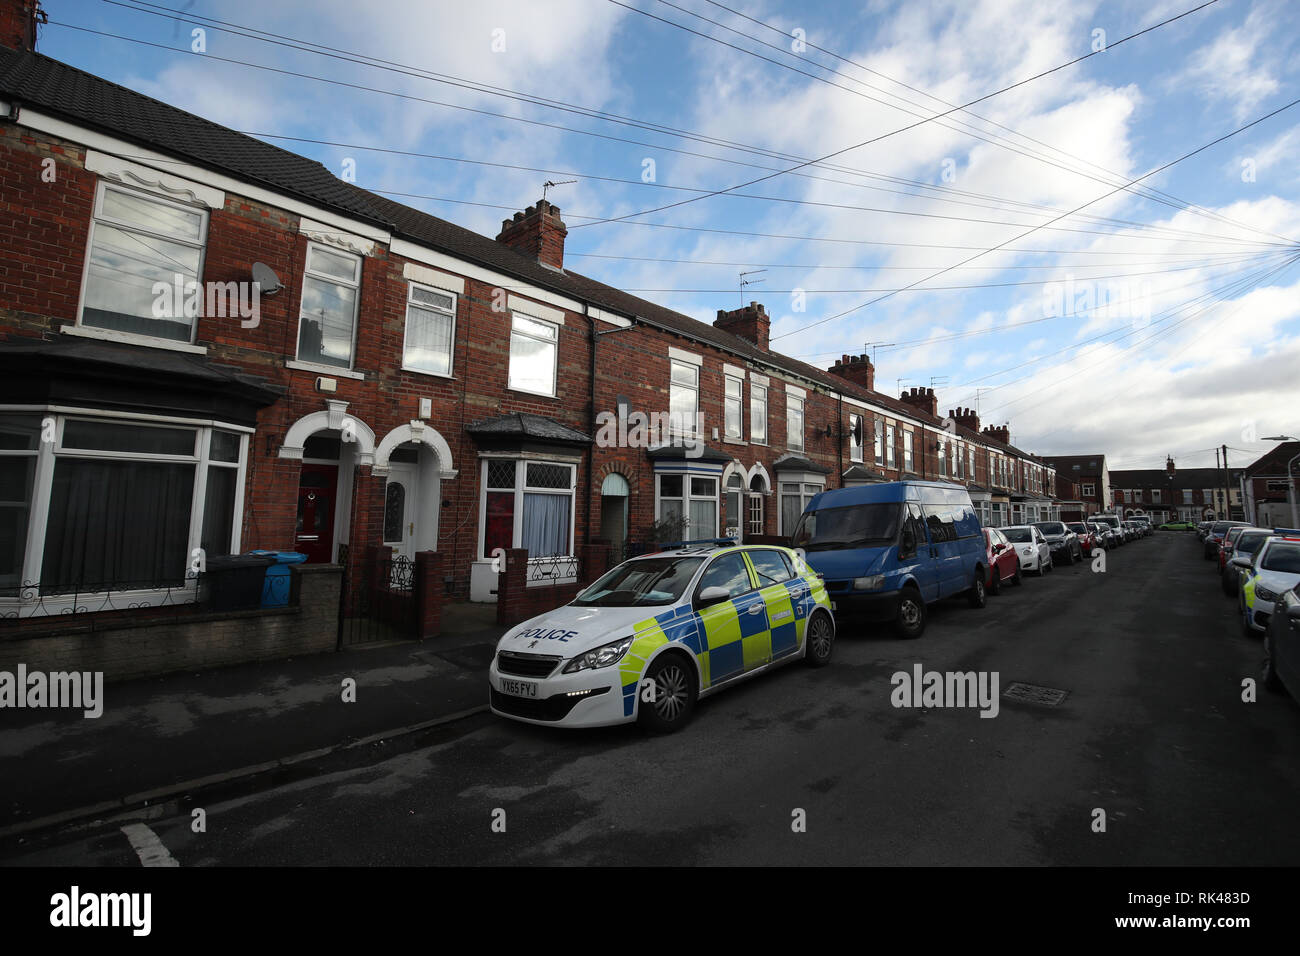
[552, 570]
[35, 600]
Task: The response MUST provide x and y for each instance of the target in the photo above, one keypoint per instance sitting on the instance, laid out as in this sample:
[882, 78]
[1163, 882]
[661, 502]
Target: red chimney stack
[1000, 433]
[18, 19]
[750, 322]
[857, 369]
[965, 417]
[537, 232]
[922, 398]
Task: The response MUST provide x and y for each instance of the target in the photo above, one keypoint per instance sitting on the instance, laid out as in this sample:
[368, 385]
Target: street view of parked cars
[656, 633]
[1260, 569]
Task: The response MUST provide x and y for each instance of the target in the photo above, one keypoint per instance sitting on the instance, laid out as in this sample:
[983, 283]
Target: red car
[1001, 560]
[1087, 540]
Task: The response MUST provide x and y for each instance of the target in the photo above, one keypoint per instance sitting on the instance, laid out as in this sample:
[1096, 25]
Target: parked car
[888, 550]
[1202, 529]
[1144, 522]
[1087, 537]
[1133, 529]
[1273, 569]
[1061, 540]
[1282, 645]
[679, 622]
[1245, 546]
[1177, 526]
[1104, 535]
[1003, 564]
[1225, 547]
[1214, 537]
[1031, 547]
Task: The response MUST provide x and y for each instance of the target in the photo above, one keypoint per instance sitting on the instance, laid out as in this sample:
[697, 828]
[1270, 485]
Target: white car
[1031, 547]
[1266, 575]
[657, 632]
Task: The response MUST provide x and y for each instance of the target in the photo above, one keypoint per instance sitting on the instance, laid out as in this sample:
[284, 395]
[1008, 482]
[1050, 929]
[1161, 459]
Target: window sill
[419, 371]
[329, 370]
[524, 391]
[735, 441]
[130, 338]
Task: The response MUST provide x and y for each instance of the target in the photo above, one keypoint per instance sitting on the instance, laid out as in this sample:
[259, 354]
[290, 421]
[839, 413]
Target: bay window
[795, 496]
[528, 504]
[112, 504]
[691, 500]
[430, 330]
[136, 240]
[327, 318]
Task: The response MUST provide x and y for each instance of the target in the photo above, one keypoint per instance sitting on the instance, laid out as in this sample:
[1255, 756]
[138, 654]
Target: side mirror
[713, 595]
[1293, 612]
[1240, 561]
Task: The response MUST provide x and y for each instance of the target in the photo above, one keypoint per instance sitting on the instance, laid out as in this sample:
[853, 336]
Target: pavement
[174, 735]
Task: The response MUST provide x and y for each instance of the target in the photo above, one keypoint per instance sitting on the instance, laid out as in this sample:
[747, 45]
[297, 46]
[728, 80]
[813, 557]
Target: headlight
[600, 657]
[873, 582]
[1264, 594]
[1027, 552]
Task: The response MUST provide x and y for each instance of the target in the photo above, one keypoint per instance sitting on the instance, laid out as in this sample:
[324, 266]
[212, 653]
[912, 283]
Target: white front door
[401, 500]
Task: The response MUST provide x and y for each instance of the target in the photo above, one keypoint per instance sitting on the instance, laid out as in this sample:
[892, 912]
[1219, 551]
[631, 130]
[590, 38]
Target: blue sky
[1138, 328]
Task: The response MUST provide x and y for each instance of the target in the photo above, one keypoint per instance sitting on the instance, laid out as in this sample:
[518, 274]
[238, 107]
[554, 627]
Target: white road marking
[147, 846]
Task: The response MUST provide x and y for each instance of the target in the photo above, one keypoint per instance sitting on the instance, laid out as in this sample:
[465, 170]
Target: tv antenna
[549, 184]
[874, 348]
[747, 282]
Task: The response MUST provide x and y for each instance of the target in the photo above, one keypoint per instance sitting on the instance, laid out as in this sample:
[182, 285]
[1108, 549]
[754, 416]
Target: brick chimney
[537, 232]
[1000, 433]
[18, 19]
[750, 322]
[857, 369]
[965, 417]
[1169, 464]
[922, 398]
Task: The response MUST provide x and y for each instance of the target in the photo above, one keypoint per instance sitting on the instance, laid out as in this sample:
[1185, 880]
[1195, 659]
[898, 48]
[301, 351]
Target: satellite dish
[857, 431]
[266, 278]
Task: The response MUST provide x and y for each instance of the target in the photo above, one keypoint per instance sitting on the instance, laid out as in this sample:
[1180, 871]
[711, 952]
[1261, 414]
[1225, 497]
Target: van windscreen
[851, 526]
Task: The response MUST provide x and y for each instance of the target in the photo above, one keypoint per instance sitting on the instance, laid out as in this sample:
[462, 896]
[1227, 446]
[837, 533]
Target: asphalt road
[1153, 731]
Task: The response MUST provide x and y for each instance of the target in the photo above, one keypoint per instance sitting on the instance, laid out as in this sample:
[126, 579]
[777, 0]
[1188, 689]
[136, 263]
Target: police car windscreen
[1283, 556]
[640, 582]
[852, 526]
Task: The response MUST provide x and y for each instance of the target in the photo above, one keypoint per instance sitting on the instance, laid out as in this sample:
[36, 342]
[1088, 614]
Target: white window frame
[1088, 490]
[755, 390]
[49, 452]
[909, 451]
[794, 406]
[521, 487]
[857, 448]
[451, 341]
[307, 272]
[942, 457]
[727, 403]
[810, 485]
[97, 216]
[891, 454]
[553, 342]
[970, 460]
[878, 441]
[688, 495]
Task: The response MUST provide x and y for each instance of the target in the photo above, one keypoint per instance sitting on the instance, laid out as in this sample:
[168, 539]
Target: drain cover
[1034, 694]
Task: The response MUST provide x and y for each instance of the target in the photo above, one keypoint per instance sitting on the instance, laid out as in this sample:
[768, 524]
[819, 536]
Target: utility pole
[1217, 513]
[1227, 485]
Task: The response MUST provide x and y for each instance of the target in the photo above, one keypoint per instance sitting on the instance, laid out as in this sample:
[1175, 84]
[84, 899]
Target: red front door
[317, 497]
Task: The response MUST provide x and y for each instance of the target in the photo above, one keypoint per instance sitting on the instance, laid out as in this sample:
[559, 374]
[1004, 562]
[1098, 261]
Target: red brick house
[394, 381]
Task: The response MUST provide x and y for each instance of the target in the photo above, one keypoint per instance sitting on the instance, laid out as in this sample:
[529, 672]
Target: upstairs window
[855, 438]
[908, 453]
[534, 347]
[734, 408]
[890, 456]
[136, 241]
[683, 396]
[758, 414]
[794, 422]
[879, 442]
[327, 319]
[430, 330]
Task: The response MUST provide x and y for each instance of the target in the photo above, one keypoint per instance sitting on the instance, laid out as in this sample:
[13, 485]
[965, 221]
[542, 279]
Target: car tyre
[675, 693]
[995, 585]
[910, 621]
[820, 640]
[976, 596]
[1017, 579]
[1271, 680]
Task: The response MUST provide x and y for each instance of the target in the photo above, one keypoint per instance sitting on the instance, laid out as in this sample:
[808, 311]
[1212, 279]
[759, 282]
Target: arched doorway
[735, 488]
[613, 512]
[758, 488]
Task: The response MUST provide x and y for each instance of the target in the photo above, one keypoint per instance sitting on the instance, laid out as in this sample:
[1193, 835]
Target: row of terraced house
[394, 382]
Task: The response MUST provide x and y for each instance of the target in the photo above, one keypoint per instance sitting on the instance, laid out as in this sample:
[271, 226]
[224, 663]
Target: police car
[1265, 576]
[656, 633]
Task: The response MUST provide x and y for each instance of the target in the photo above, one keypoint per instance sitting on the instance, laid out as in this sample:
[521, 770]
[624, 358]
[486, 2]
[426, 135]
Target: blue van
[887, 550]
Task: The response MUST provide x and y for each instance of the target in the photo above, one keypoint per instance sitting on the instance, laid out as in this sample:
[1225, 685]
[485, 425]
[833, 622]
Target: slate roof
[1274, 462]
[54, 87]
[797, 463]
[1183, 478]
[675, 452]
[528, 425]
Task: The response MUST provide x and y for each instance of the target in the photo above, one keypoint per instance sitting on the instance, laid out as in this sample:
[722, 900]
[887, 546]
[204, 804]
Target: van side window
[939, 520]
[772, 567]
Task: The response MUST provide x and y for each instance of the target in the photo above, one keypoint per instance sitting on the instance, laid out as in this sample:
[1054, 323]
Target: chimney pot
[537, 232]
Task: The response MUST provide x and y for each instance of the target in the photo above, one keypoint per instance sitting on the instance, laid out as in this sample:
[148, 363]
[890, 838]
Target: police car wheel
[1271, 680]
[820, 639]
[674, 696]
[911, 613]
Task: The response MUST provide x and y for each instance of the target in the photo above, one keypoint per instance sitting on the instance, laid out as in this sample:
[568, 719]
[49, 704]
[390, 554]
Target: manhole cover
[1034, 694]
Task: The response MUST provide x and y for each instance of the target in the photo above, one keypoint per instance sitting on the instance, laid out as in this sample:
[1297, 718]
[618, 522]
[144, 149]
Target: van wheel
[911, 613]
[674, 695]
[819, 641]
[975, 596]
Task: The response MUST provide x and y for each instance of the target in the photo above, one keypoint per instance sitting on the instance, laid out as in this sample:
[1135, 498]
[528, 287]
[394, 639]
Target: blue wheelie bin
[275, 589]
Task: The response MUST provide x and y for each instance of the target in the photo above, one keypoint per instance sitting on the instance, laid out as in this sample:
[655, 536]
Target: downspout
[839, 435]
[592, 338]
